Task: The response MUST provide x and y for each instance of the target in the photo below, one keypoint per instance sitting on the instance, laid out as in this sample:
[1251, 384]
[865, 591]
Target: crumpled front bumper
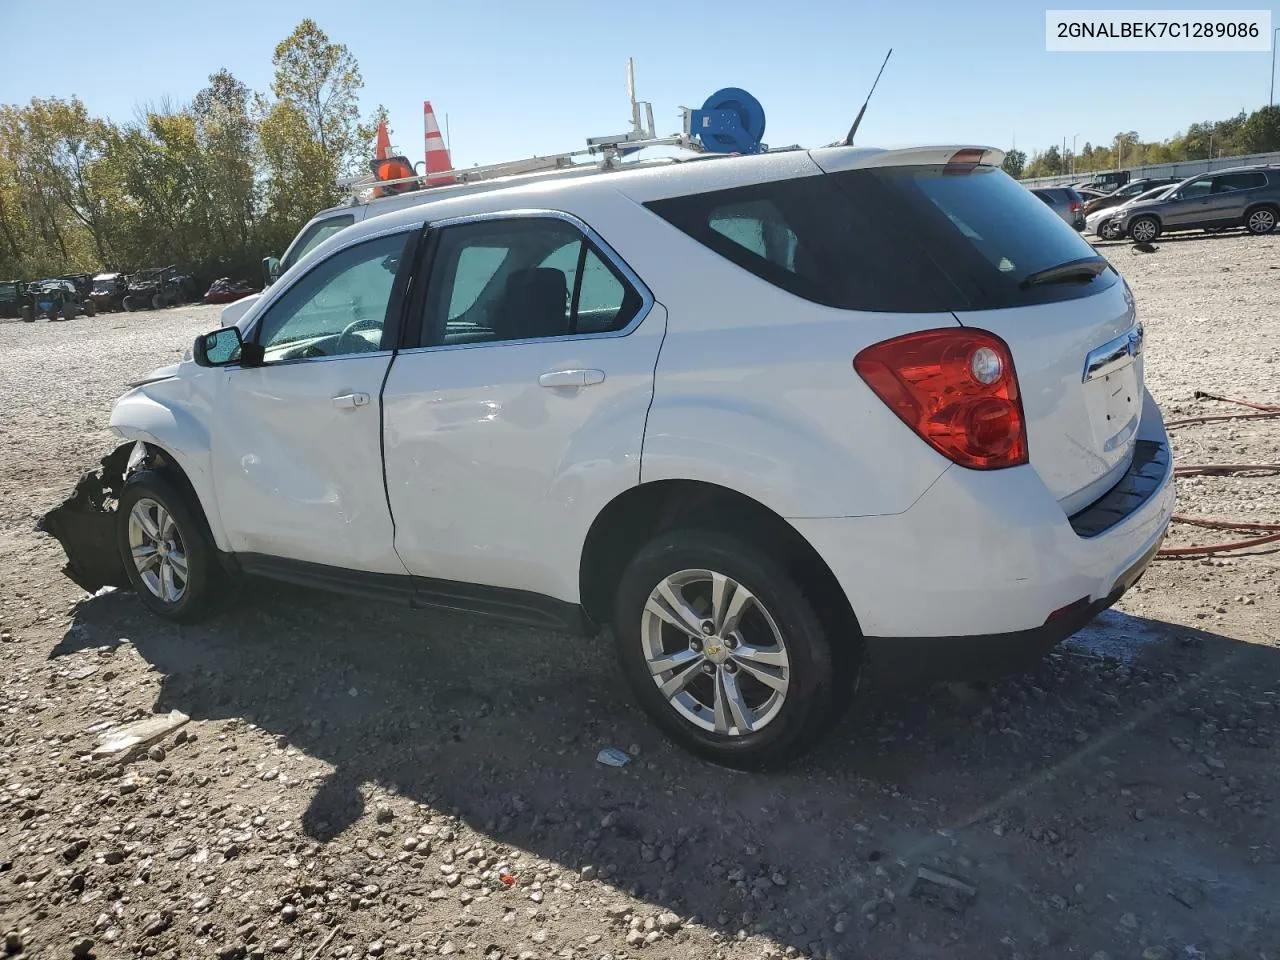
[85, 525]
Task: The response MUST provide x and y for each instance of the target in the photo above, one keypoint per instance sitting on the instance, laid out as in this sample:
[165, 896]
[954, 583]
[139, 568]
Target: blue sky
[518, 78]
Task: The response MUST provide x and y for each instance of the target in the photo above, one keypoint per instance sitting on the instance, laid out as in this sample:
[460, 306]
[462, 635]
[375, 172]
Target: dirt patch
[356, 781]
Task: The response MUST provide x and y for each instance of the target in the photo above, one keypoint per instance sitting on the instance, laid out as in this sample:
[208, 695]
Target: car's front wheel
[724, 650]
[167, 553]
[1144, 229]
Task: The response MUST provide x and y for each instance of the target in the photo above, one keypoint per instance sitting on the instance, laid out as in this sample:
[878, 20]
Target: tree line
[213, 185]
[1256, 132]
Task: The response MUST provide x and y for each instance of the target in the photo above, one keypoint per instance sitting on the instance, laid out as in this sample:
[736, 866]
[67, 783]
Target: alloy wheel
[1262, 221]
[157, 550]
[1144, 231]
[715, 652]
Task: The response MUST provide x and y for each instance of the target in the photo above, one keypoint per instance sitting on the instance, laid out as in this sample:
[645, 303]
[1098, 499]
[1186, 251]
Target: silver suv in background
[1243, 196]
[1065, 202]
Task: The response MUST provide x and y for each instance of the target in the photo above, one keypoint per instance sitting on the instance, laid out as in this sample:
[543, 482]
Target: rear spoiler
[836, 159]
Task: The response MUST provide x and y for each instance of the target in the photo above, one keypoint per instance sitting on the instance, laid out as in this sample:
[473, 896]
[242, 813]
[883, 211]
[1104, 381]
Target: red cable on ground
[1268, 412]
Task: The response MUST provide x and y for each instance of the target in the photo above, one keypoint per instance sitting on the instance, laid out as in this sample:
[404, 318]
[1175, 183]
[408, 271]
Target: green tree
[1015, 161]
[311, 134]
[228, 137]
[1260, 133]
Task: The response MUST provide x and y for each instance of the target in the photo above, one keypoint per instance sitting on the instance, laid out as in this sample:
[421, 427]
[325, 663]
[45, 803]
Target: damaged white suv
[771, 418]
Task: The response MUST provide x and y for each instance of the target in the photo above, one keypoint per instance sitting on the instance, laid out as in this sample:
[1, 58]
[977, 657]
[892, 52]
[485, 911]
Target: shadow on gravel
[1189, 237]
[1024, 789]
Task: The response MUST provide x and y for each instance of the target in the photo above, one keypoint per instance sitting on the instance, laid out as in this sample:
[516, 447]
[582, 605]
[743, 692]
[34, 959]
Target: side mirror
[222, 347]
[1175, 196]
[270, 270]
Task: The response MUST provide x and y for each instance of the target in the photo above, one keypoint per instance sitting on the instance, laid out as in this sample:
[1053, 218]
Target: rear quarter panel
[755, 388]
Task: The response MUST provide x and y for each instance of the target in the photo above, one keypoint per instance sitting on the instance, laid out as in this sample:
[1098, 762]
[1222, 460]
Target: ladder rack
[609, 150]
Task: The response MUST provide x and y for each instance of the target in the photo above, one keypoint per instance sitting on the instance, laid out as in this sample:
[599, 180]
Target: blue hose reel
[731, 121]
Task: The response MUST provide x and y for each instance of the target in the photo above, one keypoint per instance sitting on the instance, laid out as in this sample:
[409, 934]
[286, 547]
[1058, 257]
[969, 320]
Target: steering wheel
[365, 323]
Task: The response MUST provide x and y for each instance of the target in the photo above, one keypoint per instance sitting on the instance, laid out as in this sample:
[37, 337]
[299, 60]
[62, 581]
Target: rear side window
[1239, 181]
[896, 239]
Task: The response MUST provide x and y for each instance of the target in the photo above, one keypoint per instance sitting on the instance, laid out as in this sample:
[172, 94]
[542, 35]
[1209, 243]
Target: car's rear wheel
[724, 650]
[1144, 229]
[129, 304]
[1260, 221]
[90, 308]
[167, 552]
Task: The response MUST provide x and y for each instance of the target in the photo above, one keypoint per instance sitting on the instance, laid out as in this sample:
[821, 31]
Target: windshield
[313, 236]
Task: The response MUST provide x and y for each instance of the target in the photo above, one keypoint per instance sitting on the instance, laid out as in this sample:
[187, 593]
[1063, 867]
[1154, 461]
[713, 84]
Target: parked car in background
[1065, 202]
[770, 417]
[1126, 193]
[154, 289]
[108, 291]
[15, 301]
[1110, 181]
[83, 282]
[1243, 196]
[58, 299]
[1103, 222]
[226, 290]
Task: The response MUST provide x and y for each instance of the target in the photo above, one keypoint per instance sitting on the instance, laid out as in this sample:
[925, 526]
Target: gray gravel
[357, 781]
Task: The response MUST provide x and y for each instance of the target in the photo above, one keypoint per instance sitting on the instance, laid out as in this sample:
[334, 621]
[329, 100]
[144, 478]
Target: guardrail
[1182, 168]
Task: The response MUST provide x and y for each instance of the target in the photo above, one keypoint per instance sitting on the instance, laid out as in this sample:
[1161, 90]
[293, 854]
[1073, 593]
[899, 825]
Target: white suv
[772, 418]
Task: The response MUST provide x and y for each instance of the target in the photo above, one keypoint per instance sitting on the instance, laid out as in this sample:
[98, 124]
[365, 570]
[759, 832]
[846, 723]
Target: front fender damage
[85, 524]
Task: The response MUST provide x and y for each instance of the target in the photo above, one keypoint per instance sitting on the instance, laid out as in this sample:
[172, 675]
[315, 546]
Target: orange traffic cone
[437, 153]
[384, 142]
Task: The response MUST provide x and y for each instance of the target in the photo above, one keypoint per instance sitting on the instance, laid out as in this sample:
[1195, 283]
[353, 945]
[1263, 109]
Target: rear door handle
[571, 378]
[349, 401]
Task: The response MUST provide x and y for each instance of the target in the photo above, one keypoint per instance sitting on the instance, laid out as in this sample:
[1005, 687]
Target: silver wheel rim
[1262, 221]
[158, 551]
[715, 652]
[1144, 230]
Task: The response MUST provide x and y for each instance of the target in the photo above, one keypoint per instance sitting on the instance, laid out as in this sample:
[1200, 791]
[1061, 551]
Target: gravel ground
[359, 781]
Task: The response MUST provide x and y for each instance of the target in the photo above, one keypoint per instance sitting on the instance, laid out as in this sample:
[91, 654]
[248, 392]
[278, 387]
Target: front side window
[1197, 188]
[520, 279]
[338, 308]
[316, 234]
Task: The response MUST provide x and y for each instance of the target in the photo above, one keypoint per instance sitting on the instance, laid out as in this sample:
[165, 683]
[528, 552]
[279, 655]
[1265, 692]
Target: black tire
[28, 315]
[1261, 220]
[1139, 227]
[129, 304]
[90, 308]
[157, 302]
[203, 587]
[68, 311]
[808, 709]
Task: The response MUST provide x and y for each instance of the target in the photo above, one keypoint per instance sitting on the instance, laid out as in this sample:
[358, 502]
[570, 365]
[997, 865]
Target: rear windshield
[894, 239]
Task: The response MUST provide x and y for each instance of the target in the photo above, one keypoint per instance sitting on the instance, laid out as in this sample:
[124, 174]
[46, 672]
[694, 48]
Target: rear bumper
[986, 568]
[984, 656]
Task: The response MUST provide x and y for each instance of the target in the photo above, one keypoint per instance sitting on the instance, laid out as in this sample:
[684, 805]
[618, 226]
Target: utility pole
[1073, 153]
[1275, 35]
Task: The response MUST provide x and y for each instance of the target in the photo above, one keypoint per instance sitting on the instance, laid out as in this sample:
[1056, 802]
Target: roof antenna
[848, 141]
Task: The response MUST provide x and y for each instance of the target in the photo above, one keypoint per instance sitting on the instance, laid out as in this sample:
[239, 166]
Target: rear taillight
[957, 389]
[1075, 206]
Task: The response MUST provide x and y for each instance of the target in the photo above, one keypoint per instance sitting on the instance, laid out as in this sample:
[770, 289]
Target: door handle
[349, 401]
[571, 378]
